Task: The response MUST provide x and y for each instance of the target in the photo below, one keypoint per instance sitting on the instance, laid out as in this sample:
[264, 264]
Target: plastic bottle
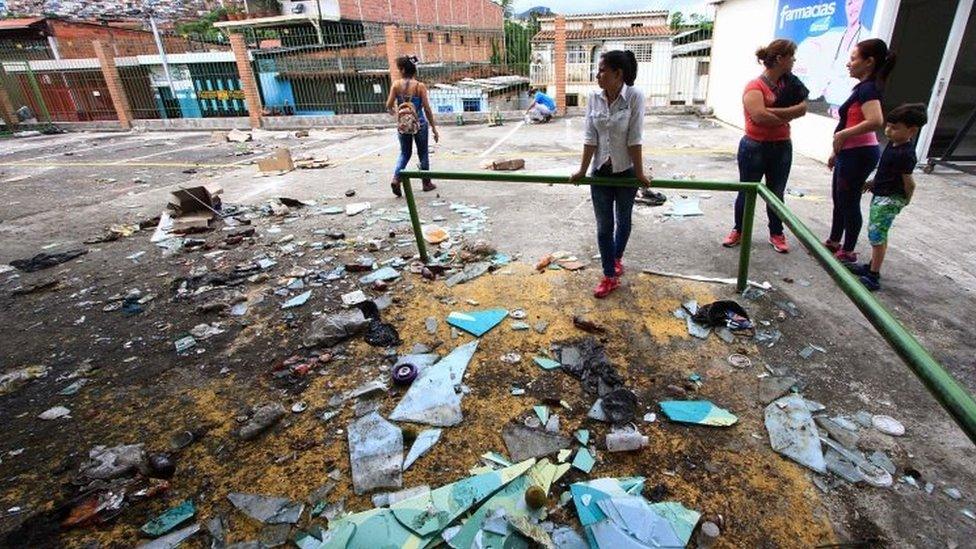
[625, 441]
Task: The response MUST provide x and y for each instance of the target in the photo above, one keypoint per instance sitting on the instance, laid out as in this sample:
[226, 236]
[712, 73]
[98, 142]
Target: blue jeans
[406, 149]
[851, 169]
[769, 160]
[607, 201]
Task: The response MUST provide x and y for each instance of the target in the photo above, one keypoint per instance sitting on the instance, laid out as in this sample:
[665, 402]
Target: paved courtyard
[58, 191]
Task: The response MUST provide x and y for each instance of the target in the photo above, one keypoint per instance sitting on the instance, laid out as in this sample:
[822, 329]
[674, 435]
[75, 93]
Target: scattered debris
[588, 325]
[106, 463]
[263, 419]
[423, 443]
[169, 519]
[169, 541]
[56, 412]
[375, 453]
[685, 208]
[432, 399]
[477, 323]
[700, 412]
[15, 379]
[739, 361]
[329, 330]
[279, 161]
[546, 363]
[793, 433]
[587, 361]
[888, 425]
[508, 165]
[698, 278]
[297, 301]
[356, 208]
[267, 509]
[524, 442]
[808, 351]
[773, 387]
[626, 440]
[45, 260]
[613, 514]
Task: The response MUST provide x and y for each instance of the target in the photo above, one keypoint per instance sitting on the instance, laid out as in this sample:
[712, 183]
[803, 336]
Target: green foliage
[203, 28]
[518, 42]
[677, 20]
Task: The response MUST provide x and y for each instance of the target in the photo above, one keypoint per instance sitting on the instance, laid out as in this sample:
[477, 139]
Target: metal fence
[339, 68]
[336, 67]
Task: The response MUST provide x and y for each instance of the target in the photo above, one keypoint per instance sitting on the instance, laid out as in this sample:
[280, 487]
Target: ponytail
[624, 61]
[884, 59]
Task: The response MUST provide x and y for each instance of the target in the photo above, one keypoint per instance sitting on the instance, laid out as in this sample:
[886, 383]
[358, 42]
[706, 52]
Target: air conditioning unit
[324, 9]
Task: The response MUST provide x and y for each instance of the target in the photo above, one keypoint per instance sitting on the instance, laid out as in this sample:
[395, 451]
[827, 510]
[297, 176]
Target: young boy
[893, 186]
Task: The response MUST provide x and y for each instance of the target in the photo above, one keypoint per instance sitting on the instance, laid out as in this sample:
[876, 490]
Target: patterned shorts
[883, 212]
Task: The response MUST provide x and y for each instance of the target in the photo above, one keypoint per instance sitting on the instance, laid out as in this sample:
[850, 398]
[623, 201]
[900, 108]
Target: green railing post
[745, 246]
[414, 218]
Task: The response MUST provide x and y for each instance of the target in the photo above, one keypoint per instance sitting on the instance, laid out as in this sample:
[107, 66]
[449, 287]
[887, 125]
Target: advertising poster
[825, 32]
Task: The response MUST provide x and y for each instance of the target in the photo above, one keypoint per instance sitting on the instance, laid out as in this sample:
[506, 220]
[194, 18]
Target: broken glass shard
[375, 453]
[793, 433]
[424, 442]
[700, 412]
[267, 509]
[431, 398]
[477, 323]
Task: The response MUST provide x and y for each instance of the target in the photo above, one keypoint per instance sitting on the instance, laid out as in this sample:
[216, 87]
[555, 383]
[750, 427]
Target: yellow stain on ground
[764, 499]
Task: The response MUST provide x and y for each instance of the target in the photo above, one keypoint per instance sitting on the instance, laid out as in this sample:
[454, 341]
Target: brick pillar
[560, 53]
[6, 105]
[106, 60]
[252, 97]
[393, 39]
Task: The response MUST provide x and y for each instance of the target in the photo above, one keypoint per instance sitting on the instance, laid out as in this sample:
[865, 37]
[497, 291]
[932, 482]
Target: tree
[677, 20]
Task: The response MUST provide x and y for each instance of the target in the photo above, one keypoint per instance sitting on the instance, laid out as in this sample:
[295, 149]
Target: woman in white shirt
[612, 143]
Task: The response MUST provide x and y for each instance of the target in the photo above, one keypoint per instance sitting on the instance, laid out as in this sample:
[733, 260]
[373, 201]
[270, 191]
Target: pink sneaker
[618, 267]
[607, 285]
[779, 243]
[834, 247]
[846, 257]
[733, 239]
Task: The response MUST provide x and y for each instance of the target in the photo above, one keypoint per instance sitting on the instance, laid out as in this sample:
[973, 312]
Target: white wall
[741, 27]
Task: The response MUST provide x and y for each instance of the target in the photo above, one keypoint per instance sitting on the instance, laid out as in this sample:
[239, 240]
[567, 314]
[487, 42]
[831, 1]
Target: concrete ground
[57, 191]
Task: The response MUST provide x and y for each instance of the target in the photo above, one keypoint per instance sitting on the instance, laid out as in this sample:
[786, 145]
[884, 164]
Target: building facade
[934, 40]
[669, 72]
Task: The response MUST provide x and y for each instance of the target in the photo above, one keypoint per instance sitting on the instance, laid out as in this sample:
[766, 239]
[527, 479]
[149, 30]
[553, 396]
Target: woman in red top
[766, 152]
[856, 150]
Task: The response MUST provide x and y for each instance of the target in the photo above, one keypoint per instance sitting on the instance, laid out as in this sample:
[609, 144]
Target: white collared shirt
[614, 127]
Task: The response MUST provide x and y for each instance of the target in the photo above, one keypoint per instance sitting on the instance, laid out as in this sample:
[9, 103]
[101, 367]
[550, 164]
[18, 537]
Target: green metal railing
[936, 379]
[946, 390]
[718, 186]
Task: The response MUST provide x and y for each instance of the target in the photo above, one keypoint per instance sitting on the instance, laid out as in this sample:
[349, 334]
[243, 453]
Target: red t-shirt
[764, 133]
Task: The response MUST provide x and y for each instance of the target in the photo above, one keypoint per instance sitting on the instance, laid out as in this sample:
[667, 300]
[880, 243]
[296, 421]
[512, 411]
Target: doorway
[921, 39]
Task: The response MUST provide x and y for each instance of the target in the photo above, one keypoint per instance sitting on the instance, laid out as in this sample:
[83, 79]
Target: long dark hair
[884, 59]
[622, 60]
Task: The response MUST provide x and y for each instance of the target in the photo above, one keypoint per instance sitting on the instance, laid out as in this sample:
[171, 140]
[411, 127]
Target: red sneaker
[779, 243]
[733, 239]
[618, 267]
[607, 285]
[846, 257]
[832, 246]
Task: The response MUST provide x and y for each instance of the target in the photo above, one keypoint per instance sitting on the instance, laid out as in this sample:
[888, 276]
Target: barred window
[577, 54]
[408, 36]
[642, 52]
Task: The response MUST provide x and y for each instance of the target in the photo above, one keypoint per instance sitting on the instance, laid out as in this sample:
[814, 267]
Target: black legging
[851, 169]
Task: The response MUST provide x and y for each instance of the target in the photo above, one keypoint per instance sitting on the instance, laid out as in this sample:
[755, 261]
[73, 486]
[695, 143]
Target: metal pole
[492, 177]
[745, 247]
[162, 55]
[37, 92]
[950, 394]
[414, 217]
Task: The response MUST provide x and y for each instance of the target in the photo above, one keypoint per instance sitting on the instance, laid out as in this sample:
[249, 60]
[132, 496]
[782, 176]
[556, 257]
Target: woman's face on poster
[853, 9]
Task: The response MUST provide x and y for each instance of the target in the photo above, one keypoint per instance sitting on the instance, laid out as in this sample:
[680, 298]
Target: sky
[593, 6]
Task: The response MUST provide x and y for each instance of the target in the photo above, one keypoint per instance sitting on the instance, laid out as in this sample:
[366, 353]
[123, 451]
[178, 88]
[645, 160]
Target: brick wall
[477, 14]
[75, 40]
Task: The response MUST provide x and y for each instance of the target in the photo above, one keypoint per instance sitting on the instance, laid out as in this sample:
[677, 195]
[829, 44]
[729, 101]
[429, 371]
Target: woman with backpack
[408, 103]
[612, 144]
